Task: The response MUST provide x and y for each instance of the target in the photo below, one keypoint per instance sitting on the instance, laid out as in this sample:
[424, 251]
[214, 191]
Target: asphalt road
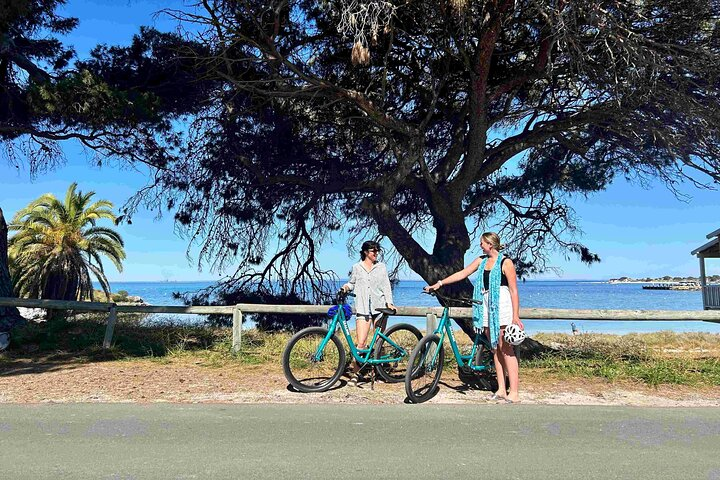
[158, 441]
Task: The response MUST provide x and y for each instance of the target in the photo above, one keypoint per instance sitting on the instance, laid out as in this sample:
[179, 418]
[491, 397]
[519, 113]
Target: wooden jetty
[673, 286]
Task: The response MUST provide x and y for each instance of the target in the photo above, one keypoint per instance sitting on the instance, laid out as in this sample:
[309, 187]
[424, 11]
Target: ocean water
[533, 293]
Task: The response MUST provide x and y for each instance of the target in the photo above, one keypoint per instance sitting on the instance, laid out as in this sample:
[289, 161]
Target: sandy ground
[146, 381]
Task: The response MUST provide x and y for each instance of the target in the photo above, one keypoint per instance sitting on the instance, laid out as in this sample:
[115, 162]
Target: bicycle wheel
[403, 335]
[424, 370]
[484, 379]
[308, 369]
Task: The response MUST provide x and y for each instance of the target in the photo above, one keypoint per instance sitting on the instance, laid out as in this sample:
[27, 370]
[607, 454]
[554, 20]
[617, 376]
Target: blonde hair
[493, 239]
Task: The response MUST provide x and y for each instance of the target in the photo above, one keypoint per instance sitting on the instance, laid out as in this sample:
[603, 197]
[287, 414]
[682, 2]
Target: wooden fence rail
[430, 313]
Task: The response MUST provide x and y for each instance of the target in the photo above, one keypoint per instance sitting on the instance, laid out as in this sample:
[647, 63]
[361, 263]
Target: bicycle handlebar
[466, 301]
[341, 295]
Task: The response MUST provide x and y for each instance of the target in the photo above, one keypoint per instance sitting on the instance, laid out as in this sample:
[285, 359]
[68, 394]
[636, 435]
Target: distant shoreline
[637, 281]
[666, 279]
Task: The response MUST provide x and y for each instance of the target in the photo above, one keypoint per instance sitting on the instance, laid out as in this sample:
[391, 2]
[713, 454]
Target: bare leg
[499, 366]
[510, 365]
[362, 328]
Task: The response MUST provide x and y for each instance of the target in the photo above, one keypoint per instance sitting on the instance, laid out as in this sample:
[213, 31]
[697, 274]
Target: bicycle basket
[334, 309]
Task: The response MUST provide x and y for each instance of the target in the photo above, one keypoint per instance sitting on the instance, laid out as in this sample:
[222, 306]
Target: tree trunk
[9, 316]
[447, 258]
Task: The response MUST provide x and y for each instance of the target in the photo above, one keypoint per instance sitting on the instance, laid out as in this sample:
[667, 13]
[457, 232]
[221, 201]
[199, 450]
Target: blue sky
[637, 232]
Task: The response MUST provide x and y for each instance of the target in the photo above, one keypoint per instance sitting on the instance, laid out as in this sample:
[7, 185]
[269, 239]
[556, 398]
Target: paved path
[159, 441]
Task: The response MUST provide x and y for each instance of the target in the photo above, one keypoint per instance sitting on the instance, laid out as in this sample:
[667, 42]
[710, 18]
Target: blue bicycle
[315, 358]
[427, 360]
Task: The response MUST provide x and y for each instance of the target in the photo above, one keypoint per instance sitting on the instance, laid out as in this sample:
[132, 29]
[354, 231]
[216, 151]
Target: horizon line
[402, 280]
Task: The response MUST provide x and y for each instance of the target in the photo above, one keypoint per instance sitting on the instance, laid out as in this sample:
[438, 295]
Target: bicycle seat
[386, 311]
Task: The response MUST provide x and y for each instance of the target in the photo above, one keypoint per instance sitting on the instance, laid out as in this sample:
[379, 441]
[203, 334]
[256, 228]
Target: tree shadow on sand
[68, 344]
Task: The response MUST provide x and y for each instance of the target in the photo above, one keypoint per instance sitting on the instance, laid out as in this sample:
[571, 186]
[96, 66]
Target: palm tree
[58, 245]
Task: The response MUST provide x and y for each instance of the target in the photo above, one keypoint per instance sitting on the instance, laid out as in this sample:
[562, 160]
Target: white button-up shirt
[372, 288]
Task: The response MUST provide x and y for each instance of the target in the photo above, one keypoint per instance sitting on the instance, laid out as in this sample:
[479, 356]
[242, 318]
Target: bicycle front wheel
[424, 369]
[309, 368]
[405, 336]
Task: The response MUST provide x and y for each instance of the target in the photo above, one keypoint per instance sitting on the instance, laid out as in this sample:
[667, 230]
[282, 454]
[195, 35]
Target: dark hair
[369, 245]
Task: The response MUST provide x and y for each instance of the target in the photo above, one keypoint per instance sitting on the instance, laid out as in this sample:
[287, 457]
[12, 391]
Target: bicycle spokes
[393, 351]
[313, 360]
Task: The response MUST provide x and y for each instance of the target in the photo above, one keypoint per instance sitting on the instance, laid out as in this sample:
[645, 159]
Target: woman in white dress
[497, 286]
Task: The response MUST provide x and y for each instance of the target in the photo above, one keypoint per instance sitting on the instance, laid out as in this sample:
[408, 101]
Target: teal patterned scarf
[493, 301]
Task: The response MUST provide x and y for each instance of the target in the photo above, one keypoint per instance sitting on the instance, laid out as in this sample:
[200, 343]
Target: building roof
[716, 233]
[710, 249]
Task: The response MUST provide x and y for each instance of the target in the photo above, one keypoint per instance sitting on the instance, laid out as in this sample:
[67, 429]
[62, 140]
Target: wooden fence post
[112, 318]
[431, 323]
[237, 329]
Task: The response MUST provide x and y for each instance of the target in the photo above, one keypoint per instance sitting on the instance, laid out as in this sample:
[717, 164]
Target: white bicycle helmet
[514, 335]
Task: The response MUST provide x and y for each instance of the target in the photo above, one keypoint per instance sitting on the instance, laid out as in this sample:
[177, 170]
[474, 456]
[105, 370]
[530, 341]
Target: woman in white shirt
[371, 285]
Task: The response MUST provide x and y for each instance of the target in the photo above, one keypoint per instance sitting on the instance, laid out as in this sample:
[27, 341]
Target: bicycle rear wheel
[403, 335]
[480, 379]
[306, 367]
[424, 369]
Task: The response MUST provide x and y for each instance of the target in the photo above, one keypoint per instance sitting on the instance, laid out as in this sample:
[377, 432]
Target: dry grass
[654, 359]
[663, 358]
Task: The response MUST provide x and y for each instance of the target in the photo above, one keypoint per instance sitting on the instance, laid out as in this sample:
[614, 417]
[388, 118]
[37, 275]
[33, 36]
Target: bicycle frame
[361, 355]
[444, 329]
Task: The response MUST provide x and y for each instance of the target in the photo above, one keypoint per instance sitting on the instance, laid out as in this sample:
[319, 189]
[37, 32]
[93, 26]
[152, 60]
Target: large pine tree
[451, 117]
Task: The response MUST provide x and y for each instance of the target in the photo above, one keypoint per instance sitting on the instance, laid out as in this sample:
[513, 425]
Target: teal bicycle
[315, 358]
[427, 361]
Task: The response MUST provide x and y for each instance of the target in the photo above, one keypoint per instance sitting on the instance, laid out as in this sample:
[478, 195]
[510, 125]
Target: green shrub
[120, 296]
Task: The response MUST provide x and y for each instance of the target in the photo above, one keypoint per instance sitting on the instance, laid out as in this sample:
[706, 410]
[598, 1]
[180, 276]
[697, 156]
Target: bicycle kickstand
[372, 378]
